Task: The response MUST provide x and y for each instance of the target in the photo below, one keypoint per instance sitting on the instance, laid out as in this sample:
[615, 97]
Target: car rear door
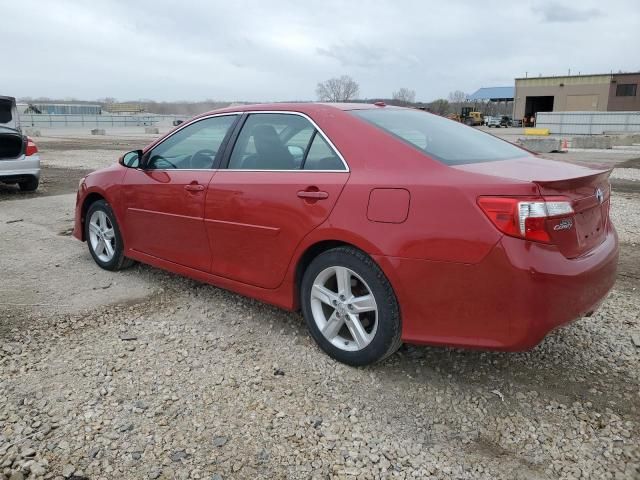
[282, 179]
[164, 200]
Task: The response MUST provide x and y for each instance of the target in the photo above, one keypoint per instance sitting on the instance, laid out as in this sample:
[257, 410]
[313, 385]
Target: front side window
[195, 147]
[445, 140]
[279, 141]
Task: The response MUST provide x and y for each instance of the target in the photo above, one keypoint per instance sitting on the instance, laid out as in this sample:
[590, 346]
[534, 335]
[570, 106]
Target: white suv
[493, 122]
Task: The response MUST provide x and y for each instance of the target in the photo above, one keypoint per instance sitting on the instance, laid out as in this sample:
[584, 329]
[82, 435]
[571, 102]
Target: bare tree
[340, 89]
[404, 95]
[107, 100]
[457, 96]
[440, 106]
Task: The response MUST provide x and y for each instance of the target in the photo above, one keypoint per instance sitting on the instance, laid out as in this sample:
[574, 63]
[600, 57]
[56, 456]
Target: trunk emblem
[599, 195]
[565, 224]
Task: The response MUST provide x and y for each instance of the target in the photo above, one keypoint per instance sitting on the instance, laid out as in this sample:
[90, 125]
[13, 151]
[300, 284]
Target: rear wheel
[350, 308]
[103, 237]
[30, 185]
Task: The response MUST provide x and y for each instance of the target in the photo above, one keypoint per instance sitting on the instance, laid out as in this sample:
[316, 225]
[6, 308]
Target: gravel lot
[143, 374]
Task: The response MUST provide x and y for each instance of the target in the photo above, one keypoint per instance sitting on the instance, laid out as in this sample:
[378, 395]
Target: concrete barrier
[541, 145]
[98, 131]
[153, 130]
[32, 132]
[625, 140]
[591, 141]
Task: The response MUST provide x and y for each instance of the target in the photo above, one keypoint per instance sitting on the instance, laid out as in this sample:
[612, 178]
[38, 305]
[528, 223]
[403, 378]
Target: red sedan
[383, 225]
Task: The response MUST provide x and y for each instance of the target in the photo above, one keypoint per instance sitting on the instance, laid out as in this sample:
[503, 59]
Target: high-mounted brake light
[524, 217]
[31, 148]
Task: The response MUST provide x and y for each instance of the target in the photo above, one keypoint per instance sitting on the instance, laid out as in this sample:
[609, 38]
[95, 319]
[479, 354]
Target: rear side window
[282, 141]
[445, 140]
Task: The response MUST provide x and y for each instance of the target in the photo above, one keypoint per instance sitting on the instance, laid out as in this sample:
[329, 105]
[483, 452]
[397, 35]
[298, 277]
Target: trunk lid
[9, 113]
[590, 199]
[588, 191]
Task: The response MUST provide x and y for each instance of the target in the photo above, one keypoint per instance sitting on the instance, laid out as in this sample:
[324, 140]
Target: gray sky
[280, 49]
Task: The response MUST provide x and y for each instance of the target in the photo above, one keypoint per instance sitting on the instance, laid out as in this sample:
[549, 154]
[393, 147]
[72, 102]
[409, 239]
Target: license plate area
[589, 227]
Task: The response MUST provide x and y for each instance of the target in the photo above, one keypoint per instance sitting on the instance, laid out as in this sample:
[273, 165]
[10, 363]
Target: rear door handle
[313, 195]
[194, 187]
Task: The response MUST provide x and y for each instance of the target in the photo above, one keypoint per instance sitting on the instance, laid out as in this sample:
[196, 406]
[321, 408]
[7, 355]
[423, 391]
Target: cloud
[279, 50]
[367, 56]
[558, 13]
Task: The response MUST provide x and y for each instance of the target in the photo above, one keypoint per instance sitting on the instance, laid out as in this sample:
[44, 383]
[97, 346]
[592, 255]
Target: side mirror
[132, 159]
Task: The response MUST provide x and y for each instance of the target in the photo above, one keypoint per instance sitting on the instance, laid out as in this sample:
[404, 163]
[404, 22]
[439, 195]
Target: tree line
[338, 89]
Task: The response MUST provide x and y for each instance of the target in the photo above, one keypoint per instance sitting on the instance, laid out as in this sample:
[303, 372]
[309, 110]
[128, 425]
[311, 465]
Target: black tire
[387, 337]
[119, 261]
[30, 185]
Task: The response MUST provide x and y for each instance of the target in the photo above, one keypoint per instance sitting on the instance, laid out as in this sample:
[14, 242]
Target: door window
[280, 141]
[194, 147]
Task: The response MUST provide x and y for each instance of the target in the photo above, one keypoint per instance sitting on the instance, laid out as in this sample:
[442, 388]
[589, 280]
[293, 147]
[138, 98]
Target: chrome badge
[599, 195]
[565, 224]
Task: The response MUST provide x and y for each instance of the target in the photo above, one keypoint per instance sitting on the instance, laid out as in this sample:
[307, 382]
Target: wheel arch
[309, 254]
[88, 200]
[319, 245]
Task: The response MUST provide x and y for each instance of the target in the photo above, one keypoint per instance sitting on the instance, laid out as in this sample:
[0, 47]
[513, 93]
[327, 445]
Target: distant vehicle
[462, 240]
[19, 159]
[492, 122]
[469, 116]
[506, 121]
[177, 122]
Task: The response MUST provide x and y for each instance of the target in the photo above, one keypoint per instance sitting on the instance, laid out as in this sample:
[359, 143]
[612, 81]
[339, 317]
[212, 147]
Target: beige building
[618, 91]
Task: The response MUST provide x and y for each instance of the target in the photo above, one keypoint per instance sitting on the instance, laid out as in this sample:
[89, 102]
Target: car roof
[302, 107]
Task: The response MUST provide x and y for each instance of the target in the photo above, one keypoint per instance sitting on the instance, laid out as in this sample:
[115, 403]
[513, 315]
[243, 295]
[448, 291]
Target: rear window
[445, 140]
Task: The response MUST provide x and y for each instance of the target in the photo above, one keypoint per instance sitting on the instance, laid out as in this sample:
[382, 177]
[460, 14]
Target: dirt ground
[143, 374]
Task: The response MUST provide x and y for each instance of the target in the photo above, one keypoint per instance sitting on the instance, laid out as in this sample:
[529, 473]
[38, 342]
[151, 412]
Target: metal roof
[493, 93]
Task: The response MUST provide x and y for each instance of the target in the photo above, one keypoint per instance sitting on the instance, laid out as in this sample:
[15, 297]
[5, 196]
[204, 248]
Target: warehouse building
[605, 92]
[60, 108]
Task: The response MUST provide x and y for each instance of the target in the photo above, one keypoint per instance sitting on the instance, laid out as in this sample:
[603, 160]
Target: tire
[30, 185]
[108, 258]
[323, 308]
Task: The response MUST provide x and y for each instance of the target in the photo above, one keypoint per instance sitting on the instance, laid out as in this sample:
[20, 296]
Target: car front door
[282, 179]
[164, 200]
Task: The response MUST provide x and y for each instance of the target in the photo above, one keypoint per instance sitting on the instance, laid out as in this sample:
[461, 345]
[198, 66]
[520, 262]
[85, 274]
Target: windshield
[445, 140]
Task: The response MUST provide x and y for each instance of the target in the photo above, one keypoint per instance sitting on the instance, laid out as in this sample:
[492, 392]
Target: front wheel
[104, 238]
[350, 307]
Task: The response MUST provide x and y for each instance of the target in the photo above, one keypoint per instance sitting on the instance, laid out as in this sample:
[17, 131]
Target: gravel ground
[143, 374]
[626, 174]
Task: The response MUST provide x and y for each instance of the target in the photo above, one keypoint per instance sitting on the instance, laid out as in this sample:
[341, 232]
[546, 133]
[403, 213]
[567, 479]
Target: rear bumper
[509, 301]
[20, 169]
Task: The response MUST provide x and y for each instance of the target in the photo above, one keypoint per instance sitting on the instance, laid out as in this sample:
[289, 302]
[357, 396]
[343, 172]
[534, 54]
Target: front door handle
[194, 187]
[313, 195]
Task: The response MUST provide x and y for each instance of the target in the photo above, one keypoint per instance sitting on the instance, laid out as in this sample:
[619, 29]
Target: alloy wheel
[102, 236]
[344, 308]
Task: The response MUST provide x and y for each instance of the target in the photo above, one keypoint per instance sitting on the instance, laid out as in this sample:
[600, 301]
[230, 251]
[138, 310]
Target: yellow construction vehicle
[469, 116]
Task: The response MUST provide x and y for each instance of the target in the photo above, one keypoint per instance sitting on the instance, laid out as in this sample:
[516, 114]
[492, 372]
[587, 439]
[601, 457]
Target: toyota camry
[382, 225]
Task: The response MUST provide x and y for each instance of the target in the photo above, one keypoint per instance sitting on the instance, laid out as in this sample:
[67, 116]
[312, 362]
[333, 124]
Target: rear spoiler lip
[568, 182]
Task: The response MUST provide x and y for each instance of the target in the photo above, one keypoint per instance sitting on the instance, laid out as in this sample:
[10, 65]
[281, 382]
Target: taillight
[31, 148]
[524, 217]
